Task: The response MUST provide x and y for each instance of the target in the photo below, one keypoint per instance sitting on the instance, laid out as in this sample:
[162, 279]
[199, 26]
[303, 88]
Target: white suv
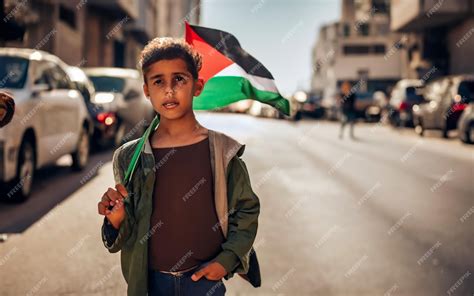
[51, 119]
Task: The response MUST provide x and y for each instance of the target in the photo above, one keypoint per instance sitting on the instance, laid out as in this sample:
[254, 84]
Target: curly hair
[167, 48]
[8, 104]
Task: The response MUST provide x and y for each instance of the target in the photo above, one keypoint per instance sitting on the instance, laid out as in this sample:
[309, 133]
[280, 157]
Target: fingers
[112, 198]
[200, 273]
[122, 190]
[102, 208]
[113, 195]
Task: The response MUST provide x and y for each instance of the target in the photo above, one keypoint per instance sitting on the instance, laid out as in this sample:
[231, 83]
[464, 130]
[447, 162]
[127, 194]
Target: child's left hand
[213, 271]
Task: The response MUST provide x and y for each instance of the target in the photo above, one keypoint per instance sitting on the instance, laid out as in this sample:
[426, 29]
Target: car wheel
[80, 157]
[21, 187]
[445, 133]
[419, 128]
[470, 133]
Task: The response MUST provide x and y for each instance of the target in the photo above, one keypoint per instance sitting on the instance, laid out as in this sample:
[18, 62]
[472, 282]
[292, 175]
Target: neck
[176, 128]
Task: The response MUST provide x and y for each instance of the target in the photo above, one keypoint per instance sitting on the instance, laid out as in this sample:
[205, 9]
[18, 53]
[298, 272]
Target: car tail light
[458, 107]
[106, 118]
[403, 106]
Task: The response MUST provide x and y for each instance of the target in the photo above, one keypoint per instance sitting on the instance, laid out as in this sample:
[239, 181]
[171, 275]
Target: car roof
[112, 72]
[30, 54]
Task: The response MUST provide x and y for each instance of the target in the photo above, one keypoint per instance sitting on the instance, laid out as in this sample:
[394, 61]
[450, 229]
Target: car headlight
[103, 98]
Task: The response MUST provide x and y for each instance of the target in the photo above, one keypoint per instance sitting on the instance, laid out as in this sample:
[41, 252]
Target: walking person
[189, 217]
[348, 112]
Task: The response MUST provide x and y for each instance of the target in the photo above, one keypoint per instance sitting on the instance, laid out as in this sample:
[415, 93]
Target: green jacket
[237, 208]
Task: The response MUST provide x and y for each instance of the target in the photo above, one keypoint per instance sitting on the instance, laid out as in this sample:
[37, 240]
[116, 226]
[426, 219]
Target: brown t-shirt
[184, 225]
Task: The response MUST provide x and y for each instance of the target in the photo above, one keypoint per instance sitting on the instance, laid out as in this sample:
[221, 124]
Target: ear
[145, 91]
[198, 86]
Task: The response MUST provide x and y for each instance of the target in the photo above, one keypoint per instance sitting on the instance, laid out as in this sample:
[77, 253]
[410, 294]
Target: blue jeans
[164, 284]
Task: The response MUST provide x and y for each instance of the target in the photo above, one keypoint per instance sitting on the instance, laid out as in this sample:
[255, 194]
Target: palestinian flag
[230, 73]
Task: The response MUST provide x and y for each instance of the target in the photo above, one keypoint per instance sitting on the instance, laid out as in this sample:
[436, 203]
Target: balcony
[417, 15]
[117, 7]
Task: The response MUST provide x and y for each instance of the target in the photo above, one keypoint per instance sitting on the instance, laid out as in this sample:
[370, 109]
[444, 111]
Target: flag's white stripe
[258, 82]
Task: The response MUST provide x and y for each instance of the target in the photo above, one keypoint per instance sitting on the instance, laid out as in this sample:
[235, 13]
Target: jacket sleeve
[112, 238]
[244, 208]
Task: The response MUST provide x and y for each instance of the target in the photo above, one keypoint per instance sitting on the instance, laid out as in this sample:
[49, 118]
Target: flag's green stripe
[221, 91]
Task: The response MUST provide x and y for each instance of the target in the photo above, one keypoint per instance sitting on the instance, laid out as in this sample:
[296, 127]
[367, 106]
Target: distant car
[263, 110]
[120, 91]
[242, 106]
[313, 106]
[405, 94]
[444, 101]
[105, 122]
[368, 107]
[466, 122]
[51, 119]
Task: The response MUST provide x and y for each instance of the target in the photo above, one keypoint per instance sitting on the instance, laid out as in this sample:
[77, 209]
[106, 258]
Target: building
[438, 36]
[359, 48]
[95, 33]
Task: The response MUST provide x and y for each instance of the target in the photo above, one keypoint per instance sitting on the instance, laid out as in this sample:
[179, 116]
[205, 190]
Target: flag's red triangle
[212, 60]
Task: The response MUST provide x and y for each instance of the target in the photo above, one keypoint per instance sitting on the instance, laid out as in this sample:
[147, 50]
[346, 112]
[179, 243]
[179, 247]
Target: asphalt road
[386, 214]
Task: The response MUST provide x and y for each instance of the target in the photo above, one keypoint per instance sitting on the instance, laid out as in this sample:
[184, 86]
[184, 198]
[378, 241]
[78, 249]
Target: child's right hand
[114, 198]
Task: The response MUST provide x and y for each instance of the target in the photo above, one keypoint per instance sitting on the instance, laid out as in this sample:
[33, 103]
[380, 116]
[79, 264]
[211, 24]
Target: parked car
[120, 92]
[405, 94]
[368, 106]
[50, 120]
[444, 101]
[466, 122]
[242, 106]
[105, 122]
[263, 110]
[313, 106]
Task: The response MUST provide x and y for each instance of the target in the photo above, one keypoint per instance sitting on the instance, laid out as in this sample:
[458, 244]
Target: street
[389, 213]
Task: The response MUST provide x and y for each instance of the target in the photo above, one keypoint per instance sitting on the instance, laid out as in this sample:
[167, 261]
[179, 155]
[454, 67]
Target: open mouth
[170, 105]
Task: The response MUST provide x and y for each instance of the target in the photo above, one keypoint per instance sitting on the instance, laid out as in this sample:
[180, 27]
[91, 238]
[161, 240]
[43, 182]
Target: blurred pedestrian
[7, 108]
[348, 112]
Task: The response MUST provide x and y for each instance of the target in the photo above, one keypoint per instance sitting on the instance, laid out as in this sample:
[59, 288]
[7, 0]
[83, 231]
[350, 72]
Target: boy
[189, 216]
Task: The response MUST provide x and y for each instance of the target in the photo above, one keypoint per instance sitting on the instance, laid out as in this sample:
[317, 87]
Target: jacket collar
[222, 147]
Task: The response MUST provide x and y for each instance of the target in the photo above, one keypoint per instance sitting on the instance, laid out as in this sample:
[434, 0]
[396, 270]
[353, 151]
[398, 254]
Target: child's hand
[114, 198]
[213, 271]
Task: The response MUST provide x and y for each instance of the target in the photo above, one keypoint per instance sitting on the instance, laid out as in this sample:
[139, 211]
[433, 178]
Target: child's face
[171, 88]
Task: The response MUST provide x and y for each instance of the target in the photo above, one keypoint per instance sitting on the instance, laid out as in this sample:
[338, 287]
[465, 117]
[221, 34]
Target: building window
[364, 49]
[363, 29]
[346, 30]
[355, 49]
[379, 49]
[67, 16]
[381, 6]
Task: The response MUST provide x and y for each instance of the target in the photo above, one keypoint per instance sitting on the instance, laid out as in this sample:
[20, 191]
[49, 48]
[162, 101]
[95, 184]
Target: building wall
[461, 47]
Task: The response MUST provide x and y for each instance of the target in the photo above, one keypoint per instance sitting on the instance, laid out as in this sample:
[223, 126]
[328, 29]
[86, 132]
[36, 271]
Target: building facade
[359, 48]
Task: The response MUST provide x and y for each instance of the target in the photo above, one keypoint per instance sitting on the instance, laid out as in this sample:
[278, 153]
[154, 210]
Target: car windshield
[466, 90]
[108, 84]
[13, 72]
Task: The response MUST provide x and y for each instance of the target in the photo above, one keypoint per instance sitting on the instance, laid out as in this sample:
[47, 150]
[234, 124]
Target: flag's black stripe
[229, 46]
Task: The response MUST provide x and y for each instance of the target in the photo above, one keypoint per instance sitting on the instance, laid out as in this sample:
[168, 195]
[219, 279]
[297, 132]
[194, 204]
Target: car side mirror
[131, 95]
[38, 88]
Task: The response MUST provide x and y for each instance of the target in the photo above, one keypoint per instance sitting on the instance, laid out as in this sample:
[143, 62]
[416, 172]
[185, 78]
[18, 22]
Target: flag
[230, 73]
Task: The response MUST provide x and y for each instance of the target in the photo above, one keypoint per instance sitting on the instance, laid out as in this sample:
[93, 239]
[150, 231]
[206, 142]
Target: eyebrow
[174, 73]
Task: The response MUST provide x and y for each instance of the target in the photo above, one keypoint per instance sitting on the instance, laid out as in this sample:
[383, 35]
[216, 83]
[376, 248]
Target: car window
[108, 84]
[13, 72]
[466, 90]
[60, 77]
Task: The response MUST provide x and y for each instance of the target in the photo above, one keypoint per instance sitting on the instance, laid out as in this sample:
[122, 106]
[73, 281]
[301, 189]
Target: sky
[278, 33]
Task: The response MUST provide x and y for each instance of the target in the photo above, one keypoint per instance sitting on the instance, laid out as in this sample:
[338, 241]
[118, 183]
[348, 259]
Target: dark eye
[179, 78]
[157, 81]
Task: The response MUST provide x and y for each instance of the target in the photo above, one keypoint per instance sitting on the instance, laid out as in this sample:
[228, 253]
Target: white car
[120, 90]
[51, 119]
